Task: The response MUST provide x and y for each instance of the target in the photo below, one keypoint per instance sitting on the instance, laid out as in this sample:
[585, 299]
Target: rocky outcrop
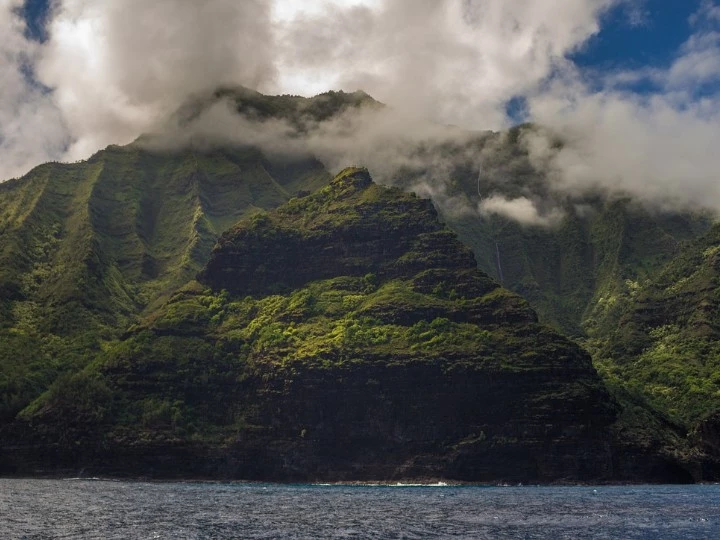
[325, 236]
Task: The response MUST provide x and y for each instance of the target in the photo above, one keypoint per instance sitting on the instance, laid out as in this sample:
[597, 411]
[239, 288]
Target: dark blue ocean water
[114, 509]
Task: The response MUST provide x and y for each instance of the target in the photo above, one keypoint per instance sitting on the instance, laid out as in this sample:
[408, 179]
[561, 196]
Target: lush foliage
[666, 345]
[182, 371]
[92, 248]
[86, 247]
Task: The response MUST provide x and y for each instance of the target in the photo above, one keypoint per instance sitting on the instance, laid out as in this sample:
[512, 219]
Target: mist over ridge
[109, 72]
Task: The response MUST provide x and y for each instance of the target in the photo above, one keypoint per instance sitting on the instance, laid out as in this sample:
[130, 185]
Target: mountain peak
[351, 227]
[296, 109]
[355, 176]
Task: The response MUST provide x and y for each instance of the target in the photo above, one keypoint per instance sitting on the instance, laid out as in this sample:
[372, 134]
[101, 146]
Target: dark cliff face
[86, 247]
[347, 335]
[351, 228]
[666, 344]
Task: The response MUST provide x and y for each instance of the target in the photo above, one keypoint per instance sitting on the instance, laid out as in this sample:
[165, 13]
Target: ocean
[82, 508]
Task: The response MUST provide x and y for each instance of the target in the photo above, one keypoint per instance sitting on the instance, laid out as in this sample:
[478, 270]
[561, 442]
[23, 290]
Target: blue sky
[630, 40]
[35, 13]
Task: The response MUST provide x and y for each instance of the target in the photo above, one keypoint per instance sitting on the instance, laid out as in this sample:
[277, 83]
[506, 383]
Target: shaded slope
[666, 345]
[394, 358]
[578, 272]
[85, 247]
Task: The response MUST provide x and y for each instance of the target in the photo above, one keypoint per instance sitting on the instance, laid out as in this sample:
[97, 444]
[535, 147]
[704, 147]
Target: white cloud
[289, 10]
[455, 61]
[119, 66]
[659, 147]
[522, 210]
[116, 67]
[31, 127]
[112, 70]
[708, 12]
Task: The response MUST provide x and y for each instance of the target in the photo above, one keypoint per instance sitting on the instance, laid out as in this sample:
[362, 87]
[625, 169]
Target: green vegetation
[85, 248]
[143, 294]
[325, 323]
[665, 348]
[202, 366]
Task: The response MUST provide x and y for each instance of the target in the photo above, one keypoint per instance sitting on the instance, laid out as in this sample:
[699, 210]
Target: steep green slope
[579, 270]
[666, 345]
[347, 334]
[577, 273]
[85, 247]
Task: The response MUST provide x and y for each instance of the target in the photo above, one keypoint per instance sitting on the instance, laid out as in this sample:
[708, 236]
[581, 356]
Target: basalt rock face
[347, 335]
[86, 247]
[343, 231]
[666, 345]
[707, 435]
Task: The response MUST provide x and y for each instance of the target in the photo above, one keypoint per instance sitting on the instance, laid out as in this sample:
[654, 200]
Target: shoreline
[401, 483]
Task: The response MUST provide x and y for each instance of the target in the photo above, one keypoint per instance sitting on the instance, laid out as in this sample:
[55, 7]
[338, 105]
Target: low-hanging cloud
[522, 209]
[118, 67]
[385, 140]
[660, 147]
[113, 70]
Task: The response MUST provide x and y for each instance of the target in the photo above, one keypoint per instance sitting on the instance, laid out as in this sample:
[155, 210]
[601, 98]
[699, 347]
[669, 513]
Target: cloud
[31, 127]
[385, 140]
[455, 61]
[522, 210]
[117, 67]
[114, 69]
[110, 71]
[659, 147]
